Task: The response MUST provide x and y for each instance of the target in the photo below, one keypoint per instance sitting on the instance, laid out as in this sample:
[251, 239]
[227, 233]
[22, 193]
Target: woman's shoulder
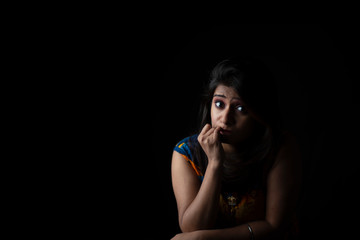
[288, 139]
[187, 148]
[189, 140]
[284, 143]
[289, 148]
[186, 145]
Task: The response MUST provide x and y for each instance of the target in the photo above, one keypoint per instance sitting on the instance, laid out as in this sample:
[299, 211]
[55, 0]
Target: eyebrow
[223, 96]
[218, 95]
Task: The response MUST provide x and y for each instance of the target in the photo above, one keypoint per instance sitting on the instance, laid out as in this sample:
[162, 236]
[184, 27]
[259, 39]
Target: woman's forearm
[202, 212]
[260, 230]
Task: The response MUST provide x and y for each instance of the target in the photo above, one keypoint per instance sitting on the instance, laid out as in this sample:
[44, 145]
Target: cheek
[244, 123]
[213, 116]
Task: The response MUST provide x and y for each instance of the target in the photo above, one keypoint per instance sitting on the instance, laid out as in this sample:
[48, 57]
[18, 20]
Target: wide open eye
[241, 109]
[219, 104]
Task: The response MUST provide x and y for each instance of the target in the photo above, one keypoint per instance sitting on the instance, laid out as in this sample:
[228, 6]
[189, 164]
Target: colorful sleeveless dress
[236, 207]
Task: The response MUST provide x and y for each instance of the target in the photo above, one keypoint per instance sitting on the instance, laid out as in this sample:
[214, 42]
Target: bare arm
[198, 203]
[283, 185]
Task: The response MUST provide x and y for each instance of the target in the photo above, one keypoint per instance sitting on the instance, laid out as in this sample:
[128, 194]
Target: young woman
[239, 178]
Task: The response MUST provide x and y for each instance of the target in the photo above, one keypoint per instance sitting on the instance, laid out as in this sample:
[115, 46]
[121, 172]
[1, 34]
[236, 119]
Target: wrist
[214, 165]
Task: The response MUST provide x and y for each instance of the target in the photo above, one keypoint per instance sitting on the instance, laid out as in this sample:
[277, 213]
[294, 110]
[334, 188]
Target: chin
[231, 139]
[225, 139]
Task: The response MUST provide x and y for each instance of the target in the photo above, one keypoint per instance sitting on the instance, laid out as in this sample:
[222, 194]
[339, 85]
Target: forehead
[228, 92]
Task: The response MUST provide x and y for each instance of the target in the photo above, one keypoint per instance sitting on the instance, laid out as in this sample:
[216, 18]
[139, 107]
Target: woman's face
[228, 113]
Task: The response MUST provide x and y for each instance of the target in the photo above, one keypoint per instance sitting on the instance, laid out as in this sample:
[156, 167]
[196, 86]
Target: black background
[315, 66]
[126, 93]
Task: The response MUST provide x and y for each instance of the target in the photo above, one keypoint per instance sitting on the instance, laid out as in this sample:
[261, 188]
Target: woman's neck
[237, 148]
[229, 149]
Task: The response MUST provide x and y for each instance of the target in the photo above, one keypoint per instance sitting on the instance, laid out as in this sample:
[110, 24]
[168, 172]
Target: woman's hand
[209, 139]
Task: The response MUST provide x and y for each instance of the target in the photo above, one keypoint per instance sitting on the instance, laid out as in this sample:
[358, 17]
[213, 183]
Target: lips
[225, 132]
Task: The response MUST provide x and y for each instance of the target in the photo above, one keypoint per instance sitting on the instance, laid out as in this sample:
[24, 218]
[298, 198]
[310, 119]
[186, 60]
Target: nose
[227, 117]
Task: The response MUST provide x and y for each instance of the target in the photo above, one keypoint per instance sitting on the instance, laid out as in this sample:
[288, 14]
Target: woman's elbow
[191, 225]
[188, 227]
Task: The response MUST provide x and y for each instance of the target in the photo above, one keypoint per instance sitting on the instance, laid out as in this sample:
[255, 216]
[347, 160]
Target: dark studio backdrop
[314, 66]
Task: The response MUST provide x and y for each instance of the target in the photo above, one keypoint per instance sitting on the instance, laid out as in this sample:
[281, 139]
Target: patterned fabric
[235, 207]
[185, 148]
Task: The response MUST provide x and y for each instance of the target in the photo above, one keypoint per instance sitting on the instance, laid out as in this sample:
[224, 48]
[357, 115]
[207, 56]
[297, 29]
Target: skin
[198, 203]
[229, 113]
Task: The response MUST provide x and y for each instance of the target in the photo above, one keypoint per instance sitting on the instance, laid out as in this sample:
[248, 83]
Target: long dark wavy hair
[256, 86]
